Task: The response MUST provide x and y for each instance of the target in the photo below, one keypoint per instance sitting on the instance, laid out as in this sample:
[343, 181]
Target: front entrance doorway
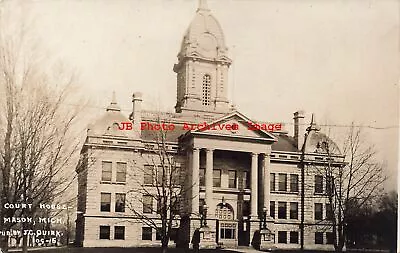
[226, 225]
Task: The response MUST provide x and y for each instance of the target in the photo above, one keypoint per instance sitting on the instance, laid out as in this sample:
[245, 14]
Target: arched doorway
[226, 224]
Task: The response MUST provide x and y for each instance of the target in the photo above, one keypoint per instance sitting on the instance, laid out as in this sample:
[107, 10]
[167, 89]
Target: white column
[266, 170]
[254, 182]
[209, 178]
[195, 180]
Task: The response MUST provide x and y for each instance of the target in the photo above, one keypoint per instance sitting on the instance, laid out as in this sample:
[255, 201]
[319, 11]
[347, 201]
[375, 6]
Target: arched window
[206, 89]
[224, 212]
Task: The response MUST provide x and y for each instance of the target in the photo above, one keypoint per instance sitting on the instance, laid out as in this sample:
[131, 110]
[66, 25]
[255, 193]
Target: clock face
[207, 42]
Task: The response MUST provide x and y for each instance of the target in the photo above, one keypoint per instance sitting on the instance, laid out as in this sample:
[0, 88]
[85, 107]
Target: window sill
[220, 189]
[110, 182]
[285, 192]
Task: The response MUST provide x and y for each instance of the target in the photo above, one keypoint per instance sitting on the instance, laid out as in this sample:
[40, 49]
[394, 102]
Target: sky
[337, 59]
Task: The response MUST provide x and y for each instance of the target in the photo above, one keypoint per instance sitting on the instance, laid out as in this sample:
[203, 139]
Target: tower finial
[113, 99]
[313, 124]
[113, 105]
[203, 5]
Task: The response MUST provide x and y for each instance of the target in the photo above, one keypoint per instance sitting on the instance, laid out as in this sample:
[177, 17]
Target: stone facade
[239, 174]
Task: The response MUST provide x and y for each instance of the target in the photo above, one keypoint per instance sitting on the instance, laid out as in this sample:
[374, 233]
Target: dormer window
[206, 89]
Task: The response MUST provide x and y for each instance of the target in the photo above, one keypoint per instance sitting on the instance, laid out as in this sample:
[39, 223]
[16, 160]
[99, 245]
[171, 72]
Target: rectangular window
[175, 205]
[246, 180]
[106, 171]
[293, 210]
[294, 183]
[158, 234]
[272, 182]
[147, 204]
[228, 230]
[282, 237]
[148, 175]
[272, 209]
[294, 237]
[328, 210]
[329, 238]
[175, 175]
[105, 232]
[119, 233]
[318, 211]
[282, 210]
[282, 182]
[217, 178]
[121, 172]
[318, 180]
[161, 175]
[319, 238]
[159, 206]
[202, 177]
[146, 234]
[105, 205]
[120, 202]
[232, 178]
[329, 185]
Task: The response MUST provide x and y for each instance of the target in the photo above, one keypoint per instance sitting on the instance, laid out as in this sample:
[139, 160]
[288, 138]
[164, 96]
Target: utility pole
[302, 166]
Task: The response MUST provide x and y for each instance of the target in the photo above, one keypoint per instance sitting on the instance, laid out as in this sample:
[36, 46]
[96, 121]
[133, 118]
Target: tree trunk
[164, 245]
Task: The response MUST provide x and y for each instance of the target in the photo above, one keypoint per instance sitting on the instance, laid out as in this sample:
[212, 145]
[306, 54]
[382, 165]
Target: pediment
[224, 58]
[194, 54]
[233, 125]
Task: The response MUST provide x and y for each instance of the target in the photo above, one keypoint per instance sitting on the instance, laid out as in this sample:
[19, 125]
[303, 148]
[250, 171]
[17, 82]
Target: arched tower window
[206, 89]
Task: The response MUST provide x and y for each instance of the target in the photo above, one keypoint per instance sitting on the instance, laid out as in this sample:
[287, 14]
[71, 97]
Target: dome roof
[204, 35]
[318, 142]
[107, 125]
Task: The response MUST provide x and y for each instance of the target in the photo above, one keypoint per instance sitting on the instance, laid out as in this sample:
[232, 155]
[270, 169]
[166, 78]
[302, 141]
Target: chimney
[299, 128]
[136, 115]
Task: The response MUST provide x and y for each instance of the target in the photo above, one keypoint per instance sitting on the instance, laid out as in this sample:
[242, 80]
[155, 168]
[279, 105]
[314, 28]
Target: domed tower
[202, 68]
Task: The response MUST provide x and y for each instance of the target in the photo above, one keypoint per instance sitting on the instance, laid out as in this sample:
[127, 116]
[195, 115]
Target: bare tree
[161, 181]
[37, 137]
[351, 182]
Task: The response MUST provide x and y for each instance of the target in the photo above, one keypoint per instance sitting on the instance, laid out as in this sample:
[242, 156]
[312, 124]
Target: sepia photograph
[199, 125]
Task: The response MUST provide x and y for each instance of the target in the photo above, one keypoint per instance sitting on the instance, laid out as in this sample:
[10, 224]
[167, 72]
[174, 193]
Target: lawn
[121, 250]
[158, 250]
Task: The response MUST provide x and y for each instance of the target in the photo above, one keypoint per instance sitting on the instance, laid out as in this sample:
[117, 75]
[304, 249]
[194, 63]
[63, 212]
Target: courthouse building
[236, 172]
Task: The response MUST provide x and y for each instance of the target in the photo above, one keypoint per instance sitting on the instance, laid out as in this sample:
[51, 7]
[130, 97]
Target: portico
[249, 152]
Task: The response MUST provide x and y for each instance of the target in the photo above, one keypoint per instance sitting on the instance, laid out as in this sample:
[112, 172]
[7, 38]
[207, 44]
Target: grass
[120, 250]
[155, 250]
